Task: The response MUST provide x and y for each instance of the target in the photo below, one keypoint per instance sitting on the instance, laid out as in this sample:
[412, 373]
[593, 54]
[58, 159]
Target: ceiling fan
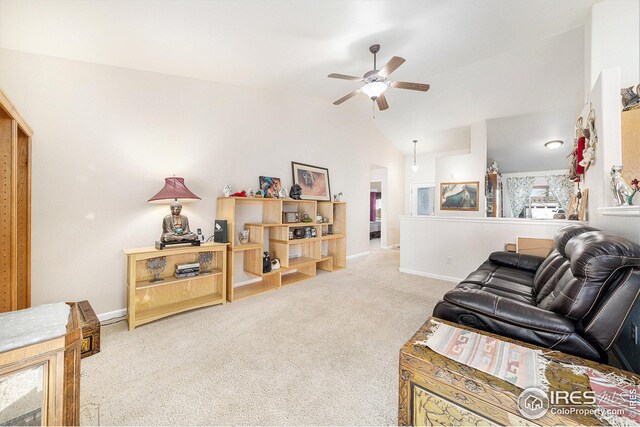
[377, 81]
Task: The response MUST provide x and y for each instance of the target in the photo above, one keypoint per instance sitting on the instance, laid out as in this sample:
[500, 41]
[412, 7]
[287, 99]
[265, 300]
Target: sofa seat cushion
[506, 280]
[523, 298]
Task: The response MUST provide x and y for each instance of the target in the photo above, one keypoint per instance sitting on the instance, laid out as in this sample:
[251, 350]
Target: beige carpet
[321, 352]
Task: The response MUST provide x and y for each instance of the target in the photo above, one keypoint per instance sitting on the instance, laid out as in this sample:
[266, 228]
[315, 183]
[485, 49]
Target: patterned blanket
[518, 365]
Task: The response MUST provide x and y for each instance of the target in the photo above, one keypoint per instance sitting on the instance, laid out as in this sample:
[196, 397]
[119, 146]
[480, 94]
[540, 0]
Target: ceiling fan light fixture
[554, 145]
[374, 89]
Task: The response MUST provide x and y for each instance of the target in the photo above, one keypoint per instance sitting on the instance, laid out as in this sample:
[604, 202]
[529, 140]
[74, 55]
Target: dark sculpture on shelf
[295, 192]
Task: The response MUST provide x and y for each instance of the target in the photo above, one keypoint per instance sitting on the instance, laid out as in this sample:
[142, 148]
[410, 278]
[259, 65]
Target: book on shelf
[188, 270]
[181, 267]
[183, 275]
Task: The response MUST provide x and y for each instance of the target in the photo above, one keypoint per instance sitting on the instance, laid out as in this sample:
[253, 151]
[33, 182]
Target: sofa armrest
[519, 261]
[510, 311]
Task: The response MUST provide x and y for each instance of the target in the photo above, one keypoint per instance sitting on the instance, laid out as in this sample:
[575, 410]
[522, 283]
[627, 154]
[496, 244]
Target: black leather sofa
[575, 300]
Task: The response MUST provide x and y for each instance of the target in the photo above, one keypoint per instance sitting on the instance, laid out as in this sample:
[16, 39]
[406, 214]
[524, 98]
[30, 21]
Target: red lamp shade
[174, 189]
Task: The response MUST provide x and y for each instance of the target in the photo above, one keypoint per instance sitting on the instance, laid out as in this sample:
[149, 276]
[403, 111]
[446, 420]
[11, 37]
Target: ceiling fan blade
[347, 96]
[344, 77]
[391, 66]
[382, 102]
[422, 87]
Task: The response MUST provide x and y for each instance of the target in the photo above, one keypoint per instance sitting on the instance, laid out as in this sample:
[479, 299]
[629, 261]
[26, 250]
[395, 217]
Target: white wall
[429, 242]
[614, 37]
[106, 137]
[465, 167]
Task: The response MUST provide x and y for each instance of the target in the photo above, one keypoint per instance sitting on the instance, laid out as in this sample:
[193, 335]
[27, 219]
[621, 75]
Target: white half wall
[106, 137]
[451, 248]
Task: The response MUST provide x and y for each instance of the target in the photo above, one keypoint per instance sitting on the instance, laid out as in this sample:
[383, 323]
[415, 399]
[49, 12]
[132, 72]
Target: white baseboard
[358, 255]
[247, 282]
[430, 275]
[112, 314]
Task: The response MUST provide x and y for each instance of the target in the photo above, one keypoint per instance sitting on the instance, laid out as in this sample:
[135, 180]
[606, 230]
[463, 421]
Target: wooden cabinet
[15, 208]
[493, 192]
[41, 380]
[148, 300]
[299, 258]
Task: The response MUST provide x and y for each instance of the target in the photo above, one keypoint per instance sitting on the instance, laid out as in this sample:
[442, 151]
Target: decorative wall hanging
[459, 196]
[584, 146]
[313, 180]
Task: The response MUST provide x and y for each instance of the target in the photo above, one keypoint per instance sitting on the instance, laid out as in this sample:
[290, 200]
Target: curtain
[372, 206]
[519, 189]
[562, 189]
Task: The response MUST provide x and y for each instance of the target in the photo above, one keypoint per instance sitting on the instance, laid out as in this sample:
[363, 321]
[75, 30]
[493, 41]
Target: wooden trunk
[436, 390]
[90, 330]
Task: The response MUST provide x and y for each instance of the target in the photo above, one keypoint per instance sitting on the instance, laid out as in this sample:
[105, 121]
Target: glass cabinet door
[22, 396]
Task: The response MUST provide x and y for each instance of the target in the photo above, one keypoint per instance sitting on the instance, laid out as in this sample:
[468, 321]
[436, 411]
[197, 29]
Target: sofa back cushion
[556, 264]
[598, 262]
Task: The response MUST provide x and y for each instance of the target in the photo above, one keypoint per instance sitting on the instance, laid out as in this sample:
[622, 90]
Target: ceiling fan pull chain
[373, 107]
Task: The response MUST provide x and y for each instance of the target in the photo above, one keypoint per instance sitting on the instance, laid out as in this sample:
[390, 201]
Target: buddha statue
[175, 227]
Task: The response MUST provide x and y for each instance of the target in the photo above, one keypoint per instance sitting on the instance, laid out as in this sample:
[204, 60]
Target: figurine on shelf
[296, 192]
[630, 98]
[621, 191]
[239, 194]
[266, 262]
[258, 194]
[337, 197]
[226, 190]
[243, 237]
[494, 168]
[250, 193]
[635, 187]
[275, 264]
[175, 227]
[283, 193]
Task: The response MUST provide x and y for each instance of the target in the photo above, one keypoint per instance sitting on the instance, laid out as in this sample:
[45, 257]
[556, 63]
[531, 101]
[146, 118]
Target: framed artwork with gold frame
[459, 196]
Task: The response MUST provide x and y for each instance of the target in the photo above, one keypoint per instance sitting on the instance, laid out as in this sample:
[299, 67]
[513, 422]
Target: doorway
[375, 213]
[378, 209]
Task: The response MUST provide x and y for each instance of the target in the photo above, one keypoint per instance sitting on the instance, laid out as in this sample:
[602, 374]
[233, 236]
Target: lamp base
[162, 245]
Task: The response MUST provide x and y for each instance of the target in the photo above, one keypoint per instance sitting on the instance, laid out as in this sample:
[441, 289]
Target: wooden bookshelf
[148, 300]
[299, 258]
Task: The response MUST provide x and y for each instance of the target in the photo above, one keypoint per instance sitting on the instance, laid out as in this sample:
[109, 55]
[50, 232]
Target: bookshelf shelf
[147, 301]
[269, 233]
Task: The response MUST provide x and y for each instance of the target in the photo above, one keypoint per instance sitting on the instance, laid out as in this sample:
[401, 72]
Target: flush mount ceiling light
[554, 145]
[414, 167]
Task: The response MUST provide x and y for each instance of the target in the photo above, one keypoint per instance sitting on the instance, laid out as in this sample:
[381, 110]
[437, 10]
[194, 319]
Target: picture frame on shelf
[270, 186]
[459, 196]
[313, 180]
[290, 217]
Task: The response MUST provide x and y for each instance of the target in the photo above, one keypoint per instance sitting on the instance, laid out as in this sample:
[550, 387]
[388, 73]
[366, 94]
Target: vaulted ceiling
[484, 59]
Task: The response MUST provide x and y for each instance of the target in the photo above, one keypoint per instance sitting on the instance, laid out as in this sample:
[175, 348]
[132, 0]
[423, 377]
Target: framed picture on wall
[423, 198]
[314, 181]
[459, 196]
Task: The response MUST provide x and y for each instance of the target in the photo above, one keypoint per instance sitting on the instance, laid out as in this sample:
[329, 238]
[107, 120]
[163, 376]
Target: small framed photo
[290, 217]
[459, 196]
[314, 181]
